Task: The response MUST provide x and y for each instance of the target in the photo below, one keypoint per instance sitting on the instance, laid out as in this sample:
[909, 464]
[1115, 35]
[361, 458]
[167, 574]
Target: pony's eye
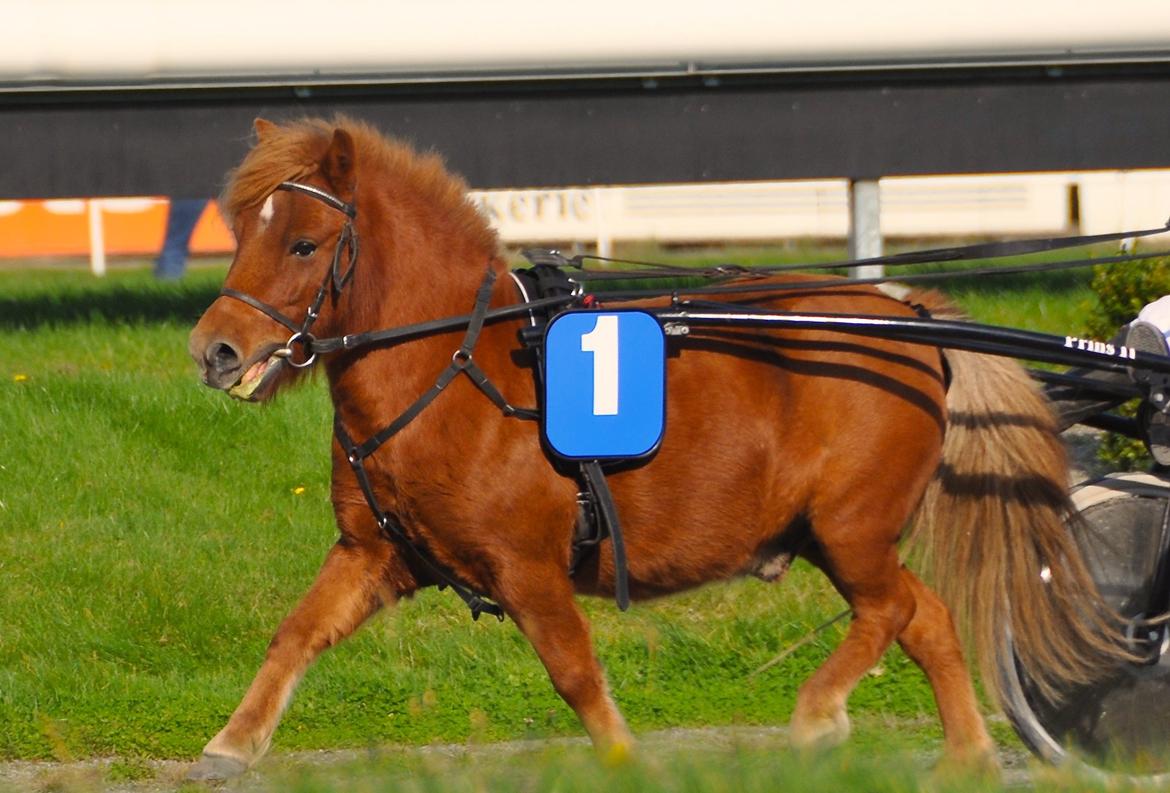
[303, 248]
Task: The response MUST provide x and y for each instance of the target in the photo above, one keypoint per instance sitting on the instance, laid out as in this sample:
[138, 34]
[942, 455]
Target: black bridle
[462, 362]
[335, 280]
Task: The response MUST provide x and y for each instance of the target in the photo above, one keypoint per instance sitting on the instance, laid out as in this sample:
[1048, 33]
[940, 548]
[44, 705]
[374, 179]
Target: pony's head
[290, 204]
[295, 203]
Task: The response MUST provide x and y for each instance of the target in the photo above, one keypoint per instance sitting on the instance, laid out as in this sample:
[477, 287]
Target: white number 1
[602, 341]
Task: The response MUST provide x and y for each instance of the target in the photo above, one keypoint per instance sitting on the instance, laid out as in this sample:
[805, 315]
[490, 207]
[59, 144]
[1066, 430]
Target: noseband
[335, 280]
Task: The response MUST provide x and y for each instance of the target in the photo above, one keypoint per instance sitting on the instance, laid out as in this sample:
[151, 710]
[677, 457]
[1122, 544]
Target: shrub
[1122, 290]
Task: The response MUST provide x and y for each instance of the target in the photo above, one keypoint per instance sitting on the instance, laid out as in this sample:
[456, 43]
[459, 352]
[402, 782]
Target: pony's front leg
[351, 585]
[541, 602]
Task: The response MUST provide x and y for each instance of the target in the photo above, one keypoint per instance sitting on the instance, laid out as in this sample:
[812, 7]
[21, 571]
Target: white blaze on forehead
[267, 211]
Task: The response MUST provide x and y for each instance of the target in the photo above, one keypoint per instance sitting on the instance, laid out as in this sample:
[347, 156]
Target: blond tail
[992, 531]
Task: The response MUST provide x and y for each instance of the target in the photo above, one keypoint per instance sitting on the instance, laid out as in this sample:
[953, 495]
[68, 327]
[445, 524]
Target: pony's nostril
[222, 357]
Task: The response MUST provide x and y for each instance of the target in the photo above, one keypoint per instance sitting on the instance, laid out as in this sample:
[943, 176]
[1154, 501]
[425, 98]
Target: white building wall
[53, 42]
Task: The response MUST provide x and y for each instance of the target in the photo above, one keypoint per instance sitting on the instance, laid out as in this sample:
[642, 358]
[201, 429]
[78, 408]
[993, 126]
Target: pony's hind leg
[348, 589]
[931, 642]
[882, 606]
[889, 602]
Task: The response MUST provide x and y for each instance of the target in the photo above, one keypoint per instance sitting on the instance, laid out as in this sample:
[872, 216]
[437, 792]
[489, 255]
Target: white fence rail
[936, 206]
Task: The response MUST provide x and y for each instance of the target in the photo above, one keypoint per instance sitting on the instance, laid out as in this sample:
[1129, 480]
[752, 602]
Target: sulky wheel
[1118, 723]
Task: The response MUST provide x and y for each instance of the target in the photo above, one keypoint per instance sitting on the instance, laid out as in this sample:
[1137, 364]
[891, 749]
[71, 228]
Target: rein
[982, 250]
[338, 280]
[681, 313]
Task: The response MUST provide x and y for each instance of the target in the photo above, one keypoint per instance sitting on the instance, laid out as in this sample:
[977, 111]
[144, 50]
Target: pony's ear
[263, 128]
[338, 166]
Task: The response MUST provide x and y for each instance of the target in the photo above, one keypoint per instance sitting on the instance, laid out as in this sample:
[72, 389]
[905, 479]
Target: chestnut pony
[780, 444]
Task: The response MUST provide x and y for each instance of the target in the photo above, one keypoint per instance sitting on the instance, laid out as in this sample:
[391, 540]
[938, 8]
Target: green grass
[153, 533]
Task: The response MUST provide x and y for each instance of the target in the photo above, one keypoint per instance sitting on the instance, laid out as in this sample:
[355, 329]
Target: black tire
[1117, 725]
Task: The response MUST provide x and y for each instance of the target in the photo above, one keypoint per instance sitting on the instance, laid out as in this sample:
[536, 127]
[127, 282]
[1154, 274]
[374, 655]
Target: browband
[349, 209]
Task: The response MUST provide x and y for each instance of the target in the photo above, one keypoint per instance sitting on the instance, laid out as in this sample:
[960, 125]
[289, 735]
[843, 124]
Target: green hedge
[1122, 290]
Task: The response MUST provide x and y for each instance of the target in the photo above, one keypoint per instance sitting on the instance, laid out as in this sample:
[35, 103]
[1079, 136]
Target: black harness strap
[335, 279]
[597, 513]
[461, 362]
[394, 531]
[405, 417]
[555, 292]
[355, 341]
[608, 517]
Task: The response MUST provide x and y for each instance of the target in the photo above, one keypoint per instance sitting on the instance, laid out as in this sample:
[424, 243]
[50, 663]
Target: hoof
[617, 754]
[819, 734]
[978, 766]
[215, 768]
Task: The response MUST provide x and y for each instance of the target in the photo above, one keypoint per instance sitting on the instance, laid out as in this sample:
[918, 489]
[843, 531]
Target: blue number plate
[605, 384]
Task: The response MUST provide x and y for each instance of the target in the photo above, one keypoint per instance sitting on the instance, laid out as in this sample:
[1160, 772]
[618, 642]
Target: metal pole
[604, 238]
[865, 228]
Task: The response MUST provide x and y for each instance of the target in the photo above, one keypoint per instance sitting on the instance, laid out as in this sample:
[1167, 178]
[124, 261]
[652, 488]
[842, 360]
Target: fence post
[604, 238]
[97, 238]
[865, 227]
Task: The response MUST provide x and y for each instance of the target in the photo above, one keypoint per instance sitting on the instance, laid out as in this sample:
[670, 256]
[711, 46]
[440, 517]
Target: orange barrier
[129, 226]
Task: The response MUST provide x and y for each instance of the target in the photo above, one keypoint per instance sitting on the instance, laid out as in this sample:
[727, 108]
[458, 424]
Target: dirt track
[167, 775]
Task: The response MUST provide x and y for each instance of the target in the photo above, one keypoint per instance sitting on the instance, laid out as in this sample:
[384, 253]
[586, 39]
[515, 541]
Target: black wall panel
[618, 131]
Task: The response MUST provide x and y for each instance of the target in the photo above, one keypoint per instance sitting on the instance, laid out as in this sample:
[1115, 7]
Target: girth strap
[598, 518]
[607, 514]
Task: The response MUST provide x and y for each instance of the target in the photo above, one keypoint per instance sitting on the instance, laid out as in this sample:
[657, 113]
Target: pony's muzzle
[222, 364]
